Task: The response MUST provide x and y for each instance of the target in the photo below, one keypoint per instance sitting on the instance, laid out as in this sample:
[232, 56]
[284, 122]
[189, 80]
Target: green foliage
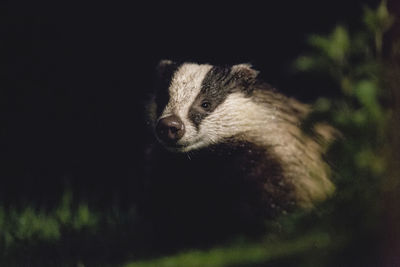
[354, 64]
[31, 224]
[359, 157]
[350, 57]
[378, 22]
[82, 216]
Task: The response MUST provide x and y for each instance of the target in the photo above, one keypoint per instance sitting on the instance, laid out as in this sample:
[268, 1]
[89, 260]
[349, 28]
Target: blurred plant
[31, 224]
[355, 64]
[360, 157]
[378, 22]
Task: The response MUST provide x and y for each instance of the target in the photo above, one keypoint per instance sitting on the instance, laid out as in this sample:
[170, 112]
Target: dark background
[74, 77]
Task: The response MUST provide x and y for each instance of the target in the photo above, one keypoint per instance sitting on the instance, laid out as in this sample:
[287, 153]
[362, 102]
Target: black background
[74, 77]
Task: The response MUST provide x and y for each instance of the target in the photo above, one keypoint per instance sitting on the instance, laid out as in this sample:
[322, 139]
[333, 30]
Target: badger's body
[229, 148]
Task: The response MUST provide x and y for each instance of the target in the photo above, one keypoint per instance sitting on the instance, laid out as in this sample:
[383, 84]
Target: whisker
[212, 140]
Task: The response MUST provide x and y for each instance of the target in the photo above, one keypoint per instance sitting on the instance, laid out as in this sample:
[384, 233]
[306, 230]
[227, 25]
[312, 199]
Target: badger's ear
[245, 75]
[165, 68]
[245, 71]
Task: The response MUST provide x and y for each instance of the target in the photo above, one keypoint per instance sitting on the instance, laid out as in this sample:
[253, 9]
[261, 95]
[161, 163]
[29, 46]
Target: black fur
[216, 86]
[214, 192]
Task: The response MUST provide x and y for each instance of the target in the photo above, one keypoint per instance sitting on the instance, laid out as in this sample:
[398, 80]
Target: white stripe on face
[185, 86]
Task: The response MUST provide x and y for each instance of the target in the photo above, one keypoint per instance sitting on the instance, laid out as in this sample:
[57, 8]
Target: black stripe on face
[216, 86]
[165, 73]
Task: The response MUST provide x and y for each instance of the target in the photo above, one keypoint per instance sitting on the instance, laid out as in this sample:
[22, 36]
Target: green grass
[242, 255]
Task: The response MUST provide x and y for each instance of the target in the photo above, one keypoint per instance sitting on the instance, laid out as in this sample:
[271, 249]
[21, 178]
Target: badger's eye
[206, 105]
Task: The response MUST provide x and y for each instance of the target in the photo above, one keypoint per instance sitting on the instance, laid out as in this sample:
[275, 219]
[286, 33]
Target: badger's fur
[241, 155]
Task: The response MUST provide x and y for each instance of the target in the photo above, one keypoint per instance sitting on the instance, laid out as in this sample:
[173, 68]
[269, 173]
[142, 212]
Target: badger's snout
[170, 129]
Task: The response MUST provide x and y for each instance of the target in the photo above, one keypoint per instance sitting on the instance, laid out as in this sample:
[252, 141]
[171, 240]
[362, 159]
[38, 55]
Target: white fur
[235, 116]
[185, 86]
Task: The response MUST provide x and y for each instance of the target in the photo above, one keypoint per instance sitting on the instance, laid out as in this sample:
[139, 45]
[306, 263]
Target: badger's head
[195, 106]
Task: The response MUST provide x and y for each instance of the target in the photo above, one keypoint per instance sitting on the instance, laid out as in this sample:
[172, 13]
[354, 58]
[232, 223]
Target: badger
[228, 150]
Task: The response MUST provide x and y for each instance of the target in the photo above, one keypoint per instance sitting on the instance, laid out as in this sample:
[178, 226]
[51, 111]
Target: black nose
[170, 129]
